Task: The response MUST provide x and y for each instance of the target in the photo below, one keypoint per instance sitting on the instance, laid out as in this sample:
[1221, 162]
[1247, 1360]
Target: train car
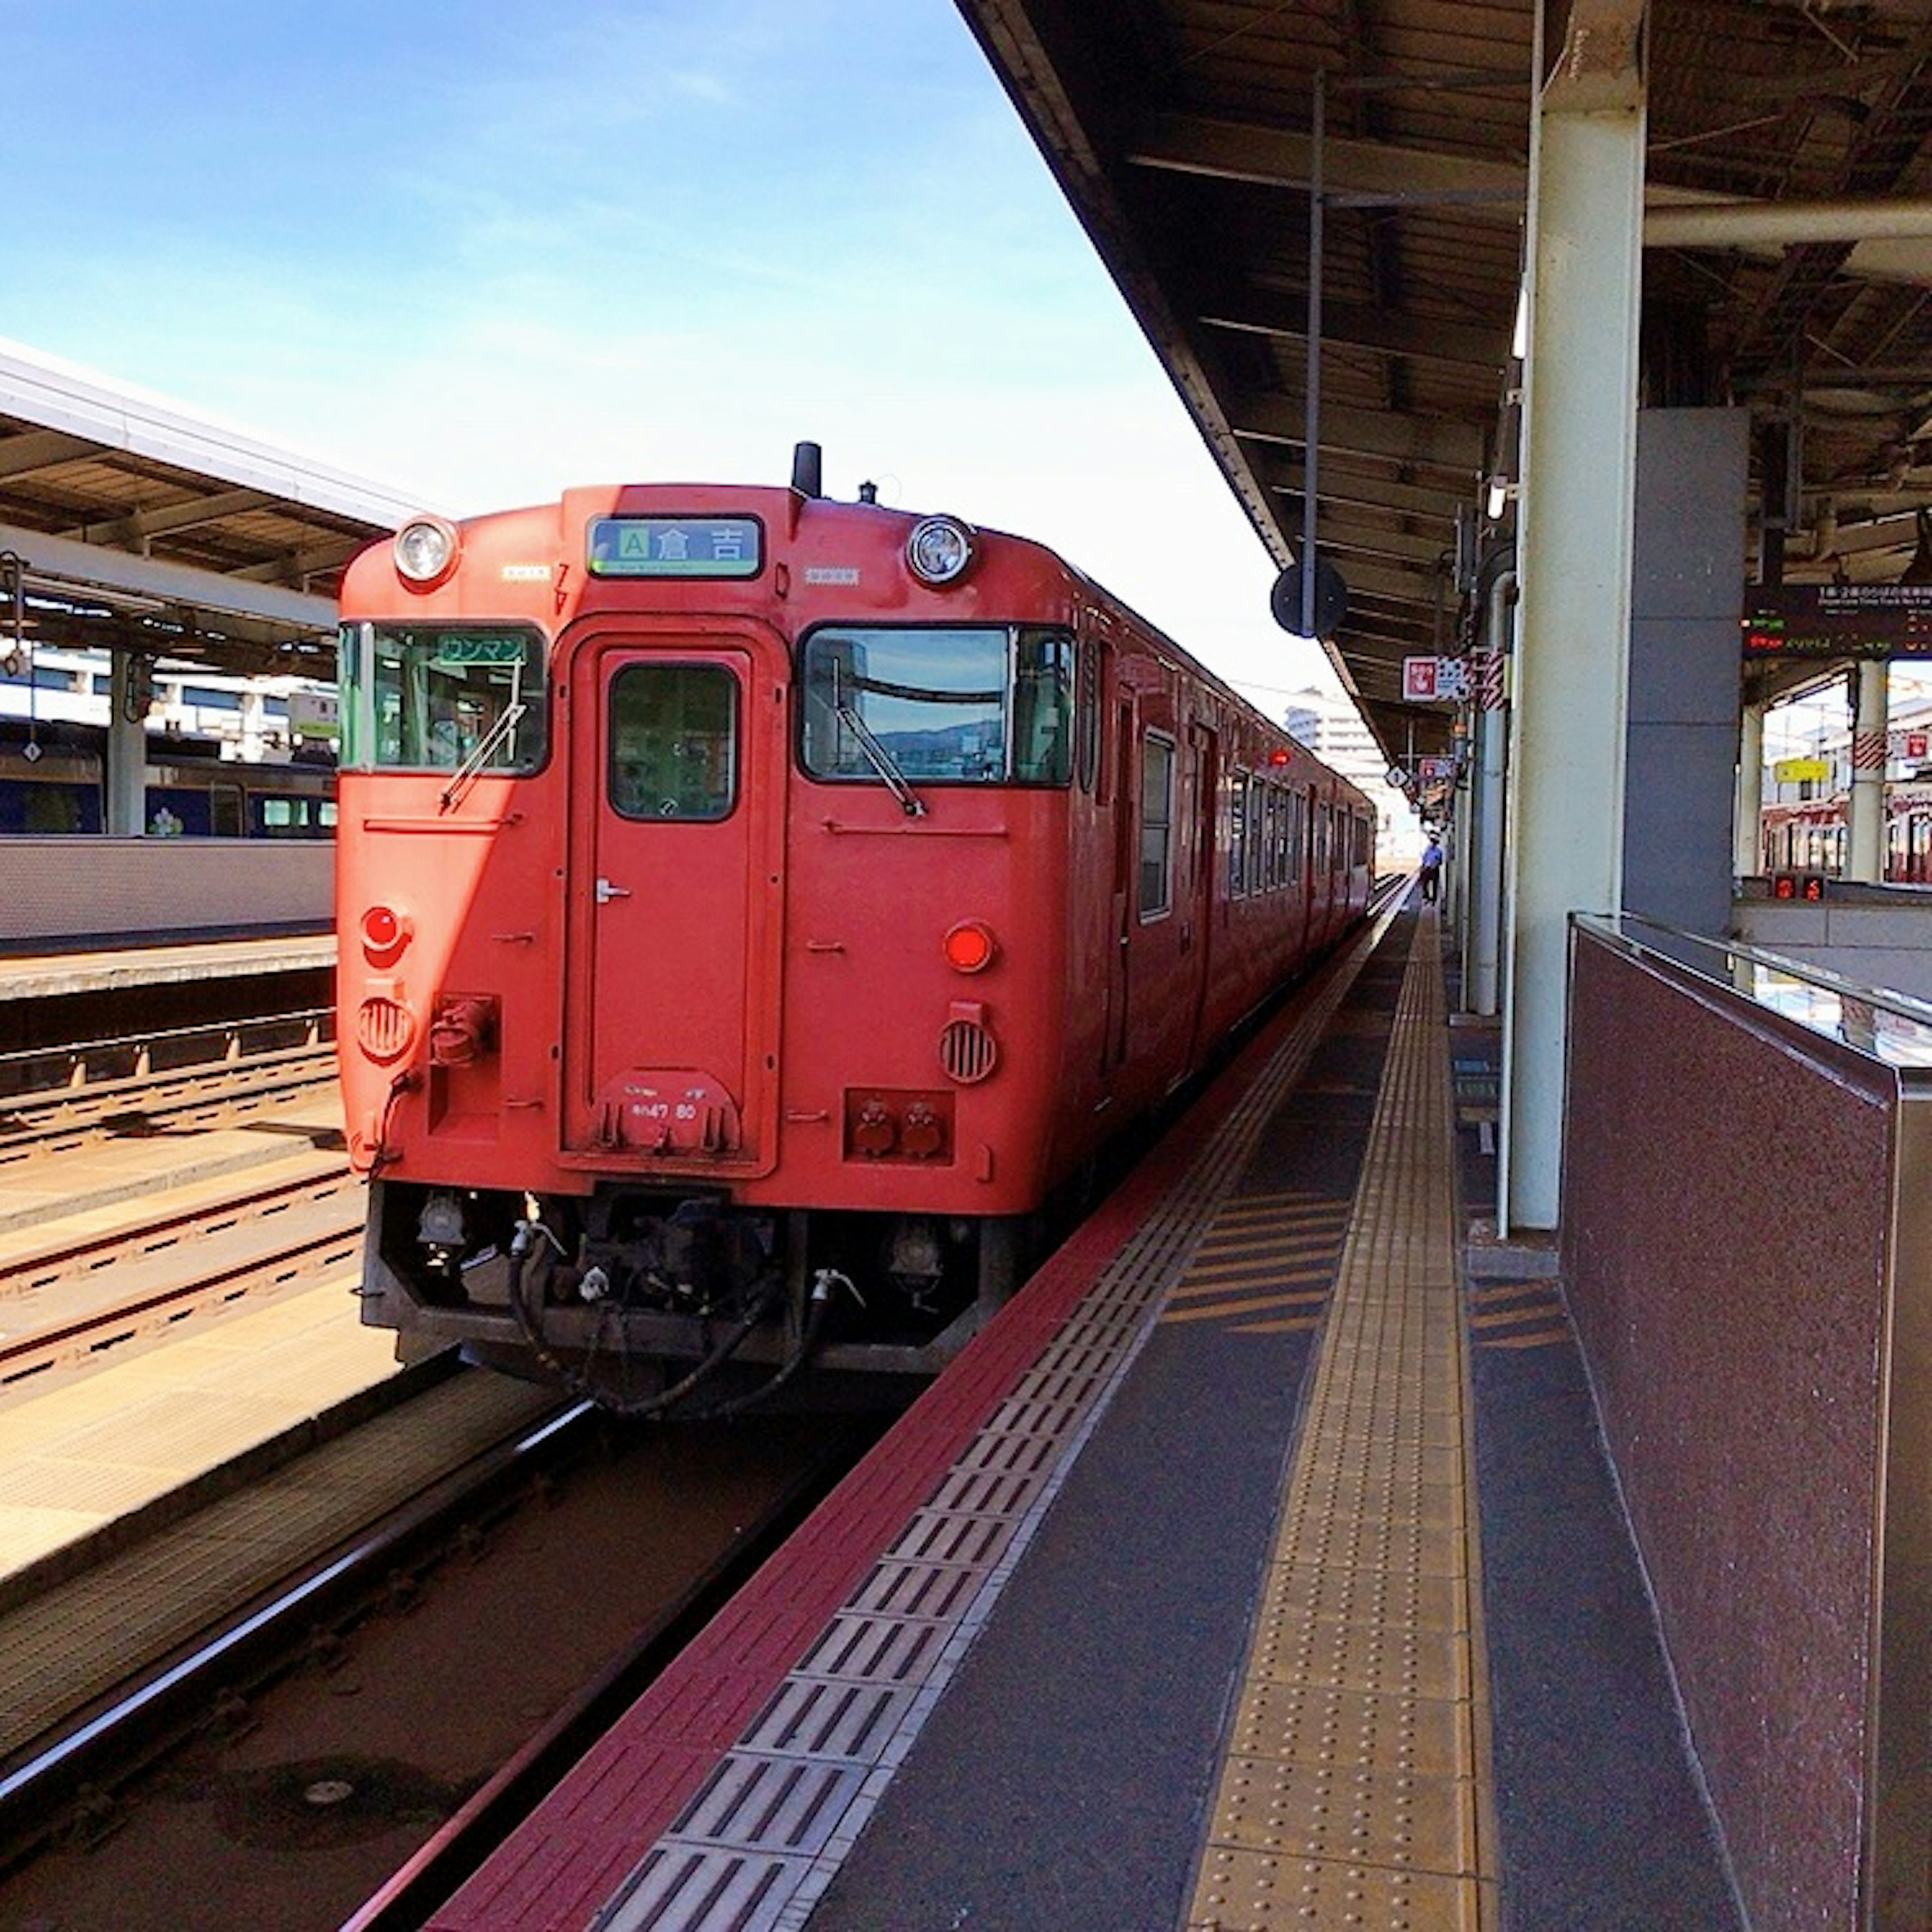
[753, 907]
[1809, 838]
[191, 790]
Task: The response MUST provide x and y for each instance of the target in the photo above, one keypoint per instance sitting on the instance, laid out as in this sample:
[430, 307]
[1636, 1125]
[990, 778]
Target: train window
[1042, 708]
[934, 705]
[224, 811]
[1156, 825]
[1257, 799]
[431, 697]
[1087, 715]
[1238, 834]
[673, 747]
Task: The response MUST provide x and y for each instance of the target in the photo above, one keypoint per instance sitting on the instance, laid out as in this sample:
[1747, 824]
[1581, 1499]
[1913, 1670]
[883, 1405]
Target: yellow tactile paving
[1355, 1792]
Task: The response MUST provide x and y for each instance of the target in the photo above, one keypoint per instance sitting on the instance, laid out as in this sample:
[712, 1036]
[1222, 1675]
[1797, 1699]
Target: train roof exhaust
[808, 469]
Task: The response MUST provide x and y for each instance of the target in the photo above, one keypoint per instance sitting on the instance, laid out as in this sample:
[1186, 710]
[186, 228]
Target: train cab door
[679, 767]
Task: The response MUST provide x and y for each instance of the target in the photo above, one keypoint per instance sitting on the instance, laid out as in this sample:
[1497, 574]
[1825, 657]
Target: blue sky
[485, 252]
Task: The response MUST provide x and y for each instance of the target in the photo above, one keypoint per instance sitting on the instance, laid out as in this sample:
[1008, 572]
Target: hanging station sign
[1838, 620]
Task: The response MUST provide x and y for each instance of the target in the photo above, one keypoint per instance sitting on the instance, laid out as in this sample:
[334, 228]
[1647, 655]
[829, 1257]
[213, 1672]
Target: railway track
[36, 1126]
[67, 1302]
[342, 1708]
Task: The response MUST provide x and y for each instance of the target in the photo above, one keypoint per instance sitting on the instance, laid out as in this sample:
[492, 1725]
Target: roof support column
[1871, 732]
[126, 816]
[1746, 823]
[1566, 814]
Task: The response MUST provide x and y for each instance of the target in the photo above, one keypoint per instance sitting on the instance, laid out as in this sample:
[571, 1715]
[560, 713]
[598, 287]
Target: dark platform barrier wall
[1736, 1246]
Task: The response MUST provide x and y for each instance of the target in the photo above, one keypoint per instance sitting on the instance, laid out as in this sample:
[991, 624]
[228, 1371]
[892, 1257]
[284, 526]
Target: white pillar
[1747, 821]
[127, 776]
[1574, 546]
[1871, 725]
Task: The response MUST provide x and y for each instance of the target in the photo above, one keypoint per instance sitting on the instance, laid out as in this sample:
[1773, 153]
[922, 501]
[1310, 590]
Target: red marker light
[970, 947]
[384, 929]
[1279, 756]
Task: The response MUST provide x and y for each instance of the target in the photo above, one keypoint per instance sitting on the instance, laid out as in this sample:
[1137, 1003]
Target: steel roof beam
[73, 568]
[139, 527]
[1350, 325]
[1389, 582]
[1459, 448]
[41, 449]
[1341, 490]
[1360, 173]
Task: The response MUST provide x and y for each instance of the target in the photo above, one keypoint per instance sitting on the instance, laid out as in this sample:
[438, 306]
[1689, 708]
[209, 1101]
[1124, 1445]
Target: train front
[701, 896]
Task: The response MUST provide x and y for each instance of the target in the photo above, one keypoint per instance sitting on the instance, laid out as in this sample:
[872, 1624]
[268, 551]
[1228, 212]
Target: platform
[34, 976]
[1250, 1570]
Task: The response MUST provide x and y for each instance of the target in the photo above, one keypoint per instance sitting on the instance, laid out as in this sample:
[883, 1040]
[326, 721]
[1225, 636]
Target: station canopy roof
[1788, 262]
[139, 527]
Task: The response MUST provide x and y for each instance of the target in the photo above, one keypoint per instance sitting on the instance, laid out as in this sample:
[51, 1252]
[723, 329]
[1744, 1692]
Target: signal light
[970, 946]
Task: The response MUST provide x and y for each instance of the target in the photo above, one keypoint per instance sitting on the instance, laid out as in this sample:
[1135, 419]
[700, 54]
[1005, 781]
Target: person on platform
[1431, 869]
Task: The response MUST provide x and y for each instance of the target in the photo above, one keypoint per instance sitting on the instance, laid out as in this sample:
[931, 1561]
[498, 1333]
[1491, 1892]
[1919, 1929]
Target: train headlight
[941, 550]
[425, 550]
[971, 946]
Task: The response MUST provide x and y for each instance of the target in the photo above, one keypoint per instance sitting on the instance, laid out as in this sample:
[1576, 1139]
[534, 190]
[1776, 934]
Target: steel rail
[65, 1260]
[70, 1340]
[48, 1124]
[40, 1789]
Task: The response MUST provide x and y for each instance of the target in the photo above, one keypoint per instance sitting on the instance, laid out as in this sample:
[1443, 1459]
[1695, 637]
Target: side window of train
[1157, 852]
[1043, 708]
[674, 748]
[1087, 716]
[1238, 834]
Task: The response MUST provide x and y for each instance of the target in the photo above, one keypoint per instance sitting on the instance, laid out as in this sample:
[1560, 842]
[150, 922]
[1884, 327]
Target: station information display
[1838, 620]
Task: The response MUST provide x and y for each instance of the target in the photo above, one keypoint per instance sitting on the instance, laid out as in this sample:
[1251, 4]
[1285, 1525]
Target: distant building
[263, 720]
[1332, 728]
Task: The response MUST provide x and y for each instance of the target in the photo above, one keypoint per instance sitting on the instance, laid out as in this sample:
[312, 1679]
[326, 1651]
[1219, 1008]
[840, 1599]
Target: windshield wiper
[480, 756]
[880, 759]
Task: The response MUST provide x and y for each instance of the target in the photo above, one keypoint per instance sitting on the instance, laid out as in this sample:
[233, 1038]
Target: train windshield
[991, 705]
[443, 697]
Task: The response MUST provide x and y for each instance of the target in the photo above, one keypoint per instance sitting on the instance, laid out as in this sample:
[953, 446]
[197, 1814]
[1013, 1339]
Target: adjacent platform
[1175, 1603]
[33, 975]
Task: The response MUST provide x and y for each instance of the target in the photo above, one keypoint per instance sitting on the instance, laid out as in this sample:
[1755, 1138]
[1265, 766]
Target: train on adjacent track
[754, 910]
[1809, 838]
[53, 778]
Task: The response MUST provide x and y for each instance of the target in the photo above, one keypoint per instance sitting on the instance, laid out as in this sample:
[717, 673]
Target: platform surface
[31, 975]
[1177, 1603]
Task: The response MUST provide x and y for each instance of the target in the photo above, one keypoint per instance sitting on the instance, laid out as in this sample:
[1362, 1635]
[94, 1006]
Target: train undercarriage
[658, 1302]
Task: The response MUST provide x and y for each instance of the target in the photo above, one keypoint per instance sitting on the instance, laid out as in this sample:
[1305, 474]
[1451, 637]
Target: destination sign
[1838, 620]
[676, 547]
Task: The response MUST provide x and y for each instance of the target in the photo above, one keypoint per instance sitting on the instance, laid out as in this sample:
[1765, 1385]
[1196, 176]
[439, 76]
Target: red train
[1809, 837]
[754, 906]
